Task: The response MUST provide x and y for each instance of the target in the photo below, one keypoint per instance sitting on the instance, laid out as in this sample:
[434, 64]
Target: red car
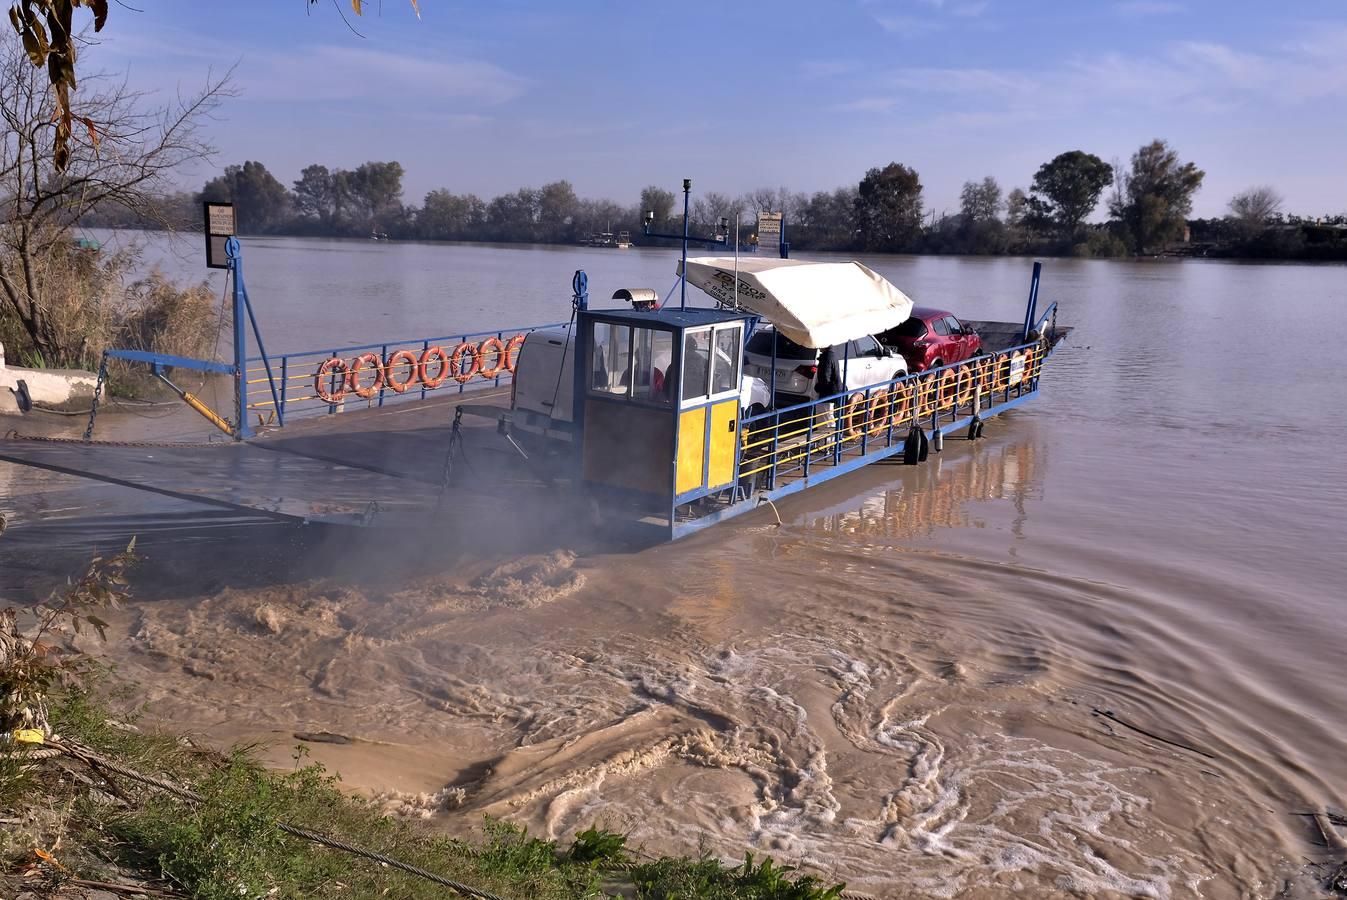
[931, 338]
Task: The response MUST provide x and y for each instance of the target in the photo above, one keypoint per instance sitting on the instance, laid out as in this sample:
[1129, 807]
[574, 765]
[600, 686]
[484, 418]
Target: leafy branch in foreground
[31, 664]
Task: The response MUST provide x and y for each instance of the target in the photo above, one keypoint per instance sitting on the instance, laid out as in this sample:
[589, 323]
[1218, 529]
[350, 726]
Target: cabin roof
[679, 318]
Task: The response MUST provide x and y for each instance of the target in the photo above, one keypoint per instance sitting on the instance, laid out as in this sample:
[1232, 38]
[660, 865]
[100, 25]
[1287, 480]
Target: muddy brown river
[1098, 653]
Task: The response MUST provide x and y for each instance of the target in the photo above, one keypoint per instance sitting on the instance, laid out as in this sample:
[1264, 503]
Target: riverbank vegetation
[1148, 201]
[93, 797]
[63, 302]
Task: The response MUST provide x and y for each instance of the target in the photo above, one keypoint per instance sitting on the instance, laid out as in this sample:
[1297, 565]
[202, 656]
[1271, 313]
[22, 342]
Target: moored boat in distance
[619, 241]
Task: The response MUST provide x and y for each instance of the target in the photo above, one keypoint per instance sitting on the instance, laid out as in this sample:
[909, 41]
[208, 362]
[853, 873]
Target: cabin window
[941, 326]
[611, 361]
[711, 361]
[725, 365]
[651, 378]
[696, 363]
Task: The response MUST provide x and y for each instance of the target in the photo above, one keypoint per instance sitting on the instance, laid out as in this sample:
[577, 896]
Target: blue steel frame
[243, 317]
[746, 499]
[289, 363]
[662, 321]
[707, 403]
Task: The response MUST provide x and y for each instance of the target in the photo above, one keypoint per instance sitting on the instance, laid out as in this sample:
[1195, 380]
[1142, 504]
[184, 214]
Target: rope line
[97, 762]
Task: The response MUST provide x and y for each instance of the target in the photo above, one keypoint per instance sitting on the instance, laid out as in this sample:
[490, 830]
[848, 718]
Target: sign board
[769, 233]
[219, 218]
[1016, 369]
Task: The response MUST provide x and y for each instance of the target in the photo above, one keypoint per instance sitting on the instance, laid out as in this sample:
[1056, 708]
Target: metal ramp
[237, 476]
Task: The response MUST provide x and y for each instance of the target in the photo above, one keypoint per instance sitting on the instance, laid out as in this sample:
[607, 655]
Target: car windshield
[912, 328]
[761, 345]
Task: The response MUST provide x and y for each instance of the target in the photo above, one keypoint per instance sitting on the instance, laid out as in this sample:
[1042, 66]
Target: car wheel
[937, 364]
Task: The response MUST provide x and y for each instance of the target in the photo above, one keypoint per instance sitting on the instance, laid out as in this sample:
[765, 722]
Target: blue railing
[827, 437]
[360, 376]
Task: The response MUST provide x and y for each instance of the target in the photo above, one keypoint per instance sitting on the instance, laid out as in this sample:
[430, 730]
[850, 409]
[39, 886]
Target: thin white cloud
[1202, 77]
[356, 73]
[971, 10]
[908, 26]
[1140, 9]
[869, 104]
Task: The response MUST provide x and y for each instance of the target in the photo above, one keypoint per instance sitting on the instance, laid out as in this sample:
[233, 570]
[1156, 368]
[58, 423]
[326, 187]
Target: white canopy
[815, 304]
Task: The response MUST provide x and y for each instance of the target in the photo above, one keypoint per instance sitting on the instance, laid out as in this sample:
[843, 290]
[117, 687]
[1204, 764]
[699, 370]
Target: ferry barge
[655, 430]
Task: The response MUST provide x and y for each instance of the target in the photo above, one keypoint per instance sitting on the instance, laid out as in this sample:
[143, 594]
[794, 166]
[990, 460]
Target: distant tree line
[1149, 201]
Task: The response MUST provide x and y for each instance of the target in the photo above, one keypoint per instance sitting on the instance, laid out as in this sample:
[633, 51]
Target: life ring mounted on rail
[900, 402]
[965, 384]
[433, 354]
[460, 374]
[406, 360]
[491, 345]
[878, 411]
[512, 351]
[853, 417]
[361, 362]
[329, 382]
[945, 393]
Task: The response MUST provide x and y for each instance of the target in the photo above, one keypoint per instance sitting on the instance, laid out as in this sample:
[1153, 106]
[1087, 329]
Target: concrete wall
[64, 389]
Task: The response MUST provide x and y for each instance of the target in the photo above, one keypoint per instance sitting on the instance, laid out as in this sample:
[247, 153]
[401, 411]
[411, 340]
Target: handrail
[459, 335]
[910, 377]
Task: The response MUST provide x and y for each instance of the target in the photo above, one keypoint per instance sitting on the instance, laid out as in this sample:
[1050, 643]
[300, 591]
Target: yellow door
[691, 450]
[724, 443]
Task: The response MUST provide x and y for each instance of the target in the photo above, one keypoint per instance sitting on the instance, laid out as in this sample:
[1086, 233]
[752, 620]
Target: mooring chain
[14, 435]
[98, 393]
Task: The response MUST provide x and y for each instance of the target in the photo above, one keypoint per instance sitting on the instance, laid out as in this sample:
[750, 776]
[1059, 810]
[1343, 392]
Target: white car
[864, 361]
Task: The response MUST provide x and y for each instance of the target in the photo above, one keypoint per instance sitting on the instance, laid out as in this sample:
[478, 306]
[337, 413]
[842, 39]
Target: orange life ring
[491, 345]
[924, 395]
[964, 385]
[406, 358]
[511, 350]
[366, 360]
[983, 370]
[329, 382]
[853, 417]
[1000, 372]
[423, 367]
[1030, 363]
[877, 414]
[945, 393]
[900, 402]
[456, 360]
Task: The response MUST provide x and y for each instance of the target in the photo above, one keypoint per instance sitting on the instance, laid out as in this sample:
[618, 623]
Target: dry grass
[94, 302]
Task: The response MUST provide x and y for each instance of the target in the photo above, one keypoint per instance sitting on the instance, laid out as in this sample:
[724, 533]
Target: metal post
[683, 288]
[242, 288]
[736, 262]
[1033, 300]
[235, 254]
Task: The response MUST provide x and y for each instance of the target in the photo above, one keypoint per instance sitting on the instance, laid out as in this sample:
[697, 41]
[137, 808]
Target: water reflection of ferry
[940, 500]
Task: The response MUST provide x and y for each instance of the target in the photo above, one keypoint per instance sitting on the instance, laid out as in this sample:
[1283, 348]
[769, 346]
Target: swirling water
[1099, 651]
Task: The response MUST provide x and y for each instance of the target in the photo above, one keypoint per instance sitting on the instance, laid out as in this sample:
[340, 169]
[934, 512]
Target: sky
[807, 94]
